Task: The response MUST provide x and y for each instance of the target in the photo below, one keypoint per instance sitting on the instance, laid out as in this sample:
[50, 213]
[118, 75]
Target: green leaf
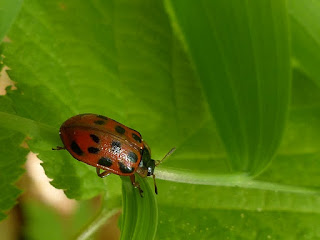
[236, 224]
[12, 157]
[305, 36]
[242, 69]
[62, 71]
[304, 120]
[12, 154]
[95, 67]
[10, 168]
[282, 203]
[141, 213]
[8, 12]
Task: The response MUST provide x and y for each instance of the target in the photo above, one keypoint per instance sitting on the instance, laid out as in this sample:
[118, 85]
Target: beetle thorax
[147, 164]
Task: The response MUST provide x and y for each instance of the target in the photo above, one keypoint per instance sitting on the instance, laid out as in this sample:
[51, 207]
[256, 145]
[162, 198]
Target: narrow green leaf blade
[140, 214]
[245, 71]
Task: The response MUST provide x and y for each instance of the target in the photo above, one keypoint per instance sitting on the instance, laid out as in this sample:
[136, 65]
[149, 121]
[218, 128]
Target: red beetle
[108, 145]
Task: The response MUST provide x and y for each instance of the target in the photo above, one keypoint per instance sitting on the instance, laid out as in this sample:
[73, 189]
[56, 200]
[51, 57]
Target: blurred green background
[233, 85]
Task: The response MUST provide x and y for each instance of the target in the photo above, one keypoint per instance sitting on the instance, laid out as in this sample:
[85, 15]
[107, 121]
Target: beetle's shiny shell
[102, 142]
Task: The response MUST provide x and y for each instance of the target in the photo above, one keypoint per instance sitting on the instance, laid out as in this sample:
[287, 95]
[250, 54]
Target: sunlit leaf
[245, 72]
[8, 11]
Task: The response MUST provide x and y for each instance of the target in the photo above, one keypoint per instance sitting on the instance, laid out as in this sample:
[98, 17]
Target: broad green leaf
[10, 168]
[12, 157]
[304, 16]
[112, 64]
[282, 203]
[304, 120]
[245, 72]
[128, 97]
[8, 11]
[236, 225]
[11, 153]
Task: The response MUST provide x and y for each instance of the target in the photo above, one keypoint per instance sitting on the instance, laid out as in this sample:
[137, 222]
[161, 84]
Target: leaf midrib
[231, 180]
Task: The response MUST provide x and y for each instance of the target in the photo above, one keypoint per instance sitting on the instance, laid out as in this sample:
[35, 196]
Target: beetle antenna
[167, 155]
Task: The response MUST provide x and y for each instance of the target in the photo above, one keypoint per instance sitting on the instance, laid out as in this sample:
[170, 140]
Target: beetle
[109, 146]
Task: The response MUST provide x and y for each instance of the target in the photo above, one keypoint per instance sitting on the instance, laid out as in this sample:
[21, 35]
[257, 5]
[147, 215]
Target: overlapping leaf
[245, 72]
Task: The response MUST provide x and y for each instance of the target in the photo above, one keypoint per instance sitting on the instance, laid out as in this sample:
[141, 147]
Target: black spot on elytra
[124, 168]
[120, 129]
[102, 117]
[76, 149]
[93, 150]
[99, 122]
[116, 146]
[95, 138]
[104, 161]
[132, 157]
[136, 137]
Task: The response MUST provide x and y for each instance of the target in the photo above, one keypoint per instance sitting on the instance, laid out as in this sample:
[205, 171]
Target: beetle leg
[136, 184]
[59, 148]
[103, 174]
[155, 185]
